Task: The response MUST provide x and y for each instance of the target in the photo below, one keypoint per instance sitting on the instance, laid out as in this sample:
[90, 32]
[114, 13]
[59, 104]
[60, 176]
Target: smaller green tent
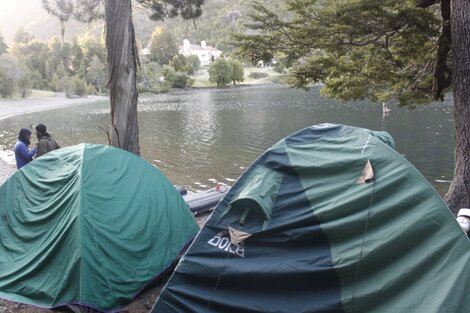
[89, 225]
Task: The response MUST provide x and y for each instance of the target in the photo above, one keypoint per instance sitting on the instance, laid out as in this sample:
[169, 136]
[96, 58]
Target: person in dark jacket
[23, 154]
[45, 141]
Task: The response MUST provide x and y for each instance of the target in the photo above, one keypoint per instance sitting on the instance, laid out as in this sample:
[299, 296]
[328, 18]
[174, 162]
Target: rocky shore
[6, 170]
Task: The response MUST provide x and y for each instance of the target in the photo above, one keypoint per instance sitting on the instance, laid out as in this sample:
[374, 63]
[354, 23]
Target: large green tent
[329, 219]
[89, 225]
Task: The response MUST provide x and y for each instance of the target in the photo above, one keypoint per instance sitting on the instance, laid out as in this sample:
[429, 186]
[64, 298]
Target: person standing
[23, 154]
[45, 141]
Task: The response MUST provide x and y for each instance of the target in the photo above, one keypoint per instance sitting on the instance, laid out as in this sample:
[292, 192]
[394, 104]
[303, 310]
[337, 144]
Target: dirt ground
[142, 304]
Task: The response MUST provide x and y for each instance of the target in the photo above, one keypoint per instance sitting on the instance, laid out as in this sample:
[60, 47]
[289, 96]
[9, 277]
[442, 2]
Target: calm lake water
[199, 138]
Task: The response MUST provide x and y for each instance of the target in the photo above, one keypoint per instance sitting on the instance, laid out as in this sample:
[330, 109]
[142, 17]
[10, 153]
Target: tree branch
[442, 77]
[426, 3]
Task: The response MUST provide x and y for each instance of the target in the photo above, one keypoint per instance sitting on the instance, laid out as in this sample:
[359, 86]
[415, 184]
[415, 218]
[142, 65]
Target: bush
[7, 85]
[181, 80]
[258, 75]
[154, 87]
[279, 68]
[220, 72]
[80, 86]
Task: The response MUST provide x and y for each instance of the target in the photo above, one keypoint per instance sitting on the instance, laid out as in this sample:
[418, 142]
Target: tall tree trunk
[122, 63]
[458, 195]
[62, 31]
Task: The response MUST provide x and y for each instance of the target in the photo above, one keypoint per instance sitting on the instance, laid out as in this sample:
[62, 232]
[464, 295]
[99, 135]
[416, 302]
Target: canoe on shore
[205, 201]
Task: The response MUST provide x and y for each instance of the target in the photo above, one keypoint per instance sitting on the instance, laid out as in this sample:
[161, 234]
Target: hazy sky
[16, 13]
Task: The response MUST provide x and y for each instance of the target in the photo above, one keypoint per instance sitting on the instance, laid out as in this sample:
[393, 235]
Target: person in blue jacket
[23, 154]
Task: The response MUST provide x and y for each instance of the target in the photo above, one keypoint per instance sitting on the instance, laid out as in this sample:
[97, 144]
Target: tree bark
[122, 66]
[442, 77]
[458, 195]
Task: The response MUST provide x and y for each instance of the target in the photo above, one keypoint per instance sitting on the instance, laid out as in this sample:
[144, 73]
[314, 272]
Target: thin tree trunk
[458, 195]
[122, 63]
[62, 31]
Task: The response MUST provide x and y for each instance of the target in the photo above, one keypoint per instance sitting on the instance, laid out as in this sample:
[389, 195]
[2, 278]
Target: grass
[34, 93]
[201, 77]
[41, 93]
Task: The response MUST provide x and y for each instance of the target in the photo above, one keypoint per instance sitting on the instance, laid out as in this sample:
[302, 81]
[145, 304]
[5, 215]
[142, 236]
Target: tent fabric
[90, 225]
[352, 227]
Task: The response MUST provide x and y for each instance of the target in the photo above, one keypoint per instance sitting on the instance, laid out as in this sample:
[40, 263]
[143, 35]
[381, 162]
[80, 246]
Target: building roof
[193, 47]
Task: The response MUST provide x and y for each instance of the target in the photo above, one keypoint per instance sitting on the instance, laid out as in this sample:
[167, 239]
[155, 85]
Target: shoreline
[10, 108]
[6, 170]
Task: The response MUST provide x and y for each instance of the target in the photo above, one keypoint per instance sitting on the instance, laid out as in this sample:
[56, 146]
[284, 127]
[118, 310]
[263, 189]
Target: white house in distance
[205, 53]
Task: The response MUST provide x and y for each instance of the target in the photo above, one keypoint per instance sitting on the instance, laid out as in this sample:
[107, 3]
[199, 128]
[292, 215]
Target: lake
[199, 138]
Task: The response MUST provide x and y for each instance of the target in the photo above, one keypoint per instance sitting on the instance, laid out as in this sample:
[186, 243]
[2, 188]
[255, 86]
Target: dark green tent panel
[330, 219]
[89, 225]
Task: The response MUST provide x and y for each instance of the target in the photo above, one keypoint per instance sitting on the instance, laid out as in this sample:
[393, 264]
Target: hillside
[218, 20]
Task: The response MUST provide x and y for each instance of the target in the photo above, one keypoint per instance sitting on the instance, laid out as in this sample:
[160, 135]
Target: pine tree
[378, 50]
[3, 45]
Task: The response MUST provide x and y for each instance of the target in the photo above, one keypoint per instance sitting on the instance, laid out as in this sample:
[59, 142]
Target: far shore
[9, 108]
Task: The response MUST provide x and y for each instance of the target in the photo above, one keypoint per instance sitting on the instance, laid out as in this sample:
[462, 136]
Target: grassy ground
[201, 80]
[201, 77]
[34, 94]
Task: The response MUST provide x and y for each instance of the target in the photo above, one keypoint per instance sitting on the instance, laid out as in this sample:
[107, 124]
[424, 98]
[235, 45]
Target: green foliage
[34, 55]
[38, 81]
[79, 86]
[62, 9]
[168, 73]
[91, 47]
[188, 65]
[6, 85]
[193, 63]
[150, 79]
[84, 10]
[220, 72]
[181, 80]
[218, 20]
[58, 54]
[357, 49]
[60, 80]
[77, 55]
[279, 67]
[176, 79]
[258, 75]
[162, 46]
[3, 45]
[178, 62]
[237, 71]
[24, 82]
[161, 9]
[50, 63]
[21, 36]
[9, 75]
[97, 74]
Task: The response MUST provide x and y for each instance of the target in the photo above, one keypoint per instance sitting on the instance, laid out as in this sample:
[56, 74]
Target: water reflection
[201, 137]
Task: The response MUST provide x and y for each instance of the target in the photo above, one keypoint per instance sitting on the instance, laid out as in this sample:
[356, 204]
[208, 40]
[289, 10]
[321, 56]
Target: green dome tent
[329, 219]
[89, 225]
